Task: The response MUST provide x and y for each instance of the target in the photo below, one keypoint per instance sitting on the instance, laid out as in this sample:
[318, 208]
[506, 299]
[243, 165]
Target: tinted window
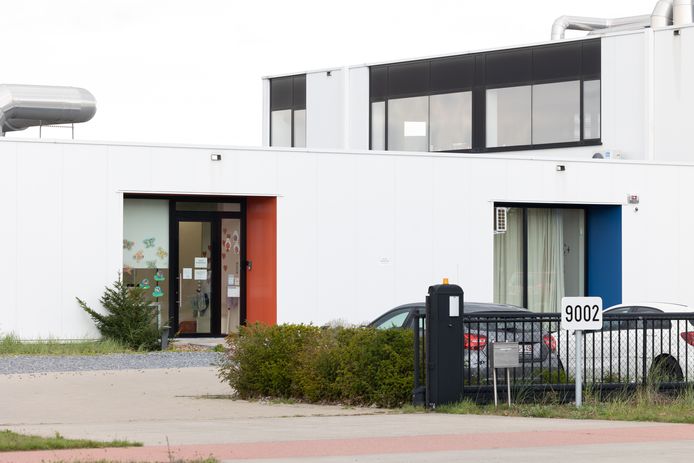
[610, 325]
[508, 116]
[557, 112]
[408, 120]
[392, 320]
[300, 128]
[651, 324]
[450, 74]
[408, 78]
[378, 125]
[591, 109]
[509, 67]
[557, 62]
[450, 121]
[281, 90]
[281, 128]
[288, 111]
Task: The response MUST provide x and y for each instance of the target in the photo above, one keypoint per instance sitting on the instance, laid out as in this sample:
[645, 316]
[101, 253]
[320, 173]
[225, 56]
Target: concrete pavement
[160, 406]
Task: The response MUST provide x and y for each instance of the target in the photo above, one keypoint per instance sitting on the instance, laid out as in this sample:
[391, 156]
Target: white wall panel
[623, 95]
[336, 262]
[414, 228]
[358, 109]
[375, 244]
[673, 94]
[9, 232]
[325, 110]
[84, 229]
[297, 273]
[39, 239]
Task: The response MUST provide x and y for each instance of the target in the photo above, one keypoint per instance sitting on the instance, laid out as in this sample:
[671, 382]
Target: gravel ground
[44, 363]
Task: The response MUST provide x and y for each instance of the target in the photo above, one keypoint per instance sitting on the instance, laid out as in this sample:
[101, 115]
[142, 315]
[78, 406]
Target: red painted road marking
[369, 446]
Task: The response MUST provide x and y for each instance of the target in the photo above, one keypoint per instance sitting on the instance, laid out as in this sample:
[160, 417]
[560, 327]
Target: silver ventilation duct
[665, 13]
[580, 23]
[23, 106]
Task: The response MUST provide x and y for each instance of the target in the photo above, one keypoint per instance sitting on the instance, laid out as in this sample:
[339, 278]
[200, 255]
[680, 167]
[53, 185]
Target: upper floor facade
[624, 95]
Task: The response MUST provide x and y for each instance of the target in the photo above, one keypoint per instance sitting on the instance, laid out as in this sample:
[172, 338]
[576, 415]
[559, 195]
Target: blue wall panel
[604, 253]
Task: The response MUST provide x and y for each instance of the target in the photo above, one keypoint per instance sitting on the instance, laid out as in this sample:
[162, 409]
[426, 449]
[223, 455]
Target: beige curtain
[545, 259]
[508, 261]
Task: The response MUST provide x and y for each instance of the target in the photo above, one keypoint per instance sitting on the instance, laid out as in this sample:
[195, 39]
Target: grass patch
[12, 442]
[646, 404]
[11, 345]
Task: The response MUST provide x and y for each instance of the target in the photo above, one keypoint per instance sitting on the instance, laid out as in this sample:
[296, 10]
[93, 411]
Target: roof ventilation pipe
[23, 106]
[662, 14]
[682, 12]
[580, 23]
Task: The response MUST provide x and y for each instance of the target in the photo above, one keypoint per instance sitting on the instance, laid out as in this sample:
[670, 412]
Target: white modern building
[522, 174]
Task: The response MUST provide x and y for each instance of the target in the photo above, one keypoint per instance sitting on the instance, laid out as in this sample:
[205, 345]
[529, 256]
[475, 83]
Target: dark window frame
[296, 98]
[585, 51]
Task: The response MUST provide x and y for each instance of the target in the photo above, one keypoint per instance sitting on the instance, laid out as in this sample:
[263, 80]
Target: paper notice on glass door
[233, 291]
[201, 274]
[187, 273]
[200, 262]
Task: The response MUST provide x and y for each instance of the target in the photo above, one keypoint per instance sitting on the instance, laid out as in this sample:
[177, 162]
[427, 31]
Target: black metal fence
[630, 349]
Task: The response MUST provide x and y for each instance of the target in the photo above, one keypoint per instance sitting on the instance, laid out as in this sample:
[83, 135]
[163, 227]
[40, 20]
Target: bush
[358, 366]
[129, 318]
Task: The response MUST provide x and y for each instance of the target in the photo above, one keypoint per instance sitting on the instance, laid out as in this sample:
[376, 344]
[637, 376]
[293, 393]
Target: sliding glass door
[540, 258]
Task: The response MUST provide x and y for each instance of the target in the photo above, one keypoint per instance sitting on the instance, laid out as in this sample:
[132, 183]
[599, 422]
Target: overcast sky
[190, 71]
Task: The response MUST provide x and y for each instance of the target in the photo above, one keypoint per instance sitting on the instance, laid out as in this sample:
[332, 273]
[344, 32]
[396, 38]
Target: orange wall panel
[261, 251]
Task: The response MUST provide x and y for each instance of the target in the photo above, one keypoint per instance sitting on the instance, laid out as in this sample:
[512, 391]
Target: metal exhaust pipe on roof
[682, 12]
[23, 106]
[580, 23]
[665, 13]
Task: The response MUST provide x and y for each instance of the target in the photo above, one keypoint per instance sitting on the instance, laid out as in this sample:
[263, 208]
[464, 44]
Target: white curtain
[545, 259]
[508, 261]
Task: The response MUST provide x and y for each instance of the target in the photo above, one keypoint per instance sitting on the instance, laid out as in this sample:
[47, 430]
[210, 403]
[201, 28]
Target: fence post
[645, 348]
[418, 392]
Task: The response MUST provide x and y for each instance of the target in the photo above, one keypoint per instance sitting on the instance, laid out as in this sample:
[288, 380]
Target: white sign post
[578, 314]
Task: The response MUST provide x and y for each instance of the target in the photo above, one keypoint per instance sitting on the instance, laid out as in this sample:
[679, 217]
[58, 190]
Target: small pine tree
[129, 318]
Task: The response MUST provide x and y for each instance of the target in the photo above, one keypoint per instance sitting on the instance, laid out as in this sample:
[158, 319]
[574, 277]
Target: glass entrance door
[232, 274]
[209, 274]
[195, 277]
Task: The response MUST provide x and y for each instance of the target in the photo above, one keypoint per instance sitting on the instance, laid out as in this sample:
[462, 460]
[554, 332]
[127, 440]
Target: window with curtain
[540, 258]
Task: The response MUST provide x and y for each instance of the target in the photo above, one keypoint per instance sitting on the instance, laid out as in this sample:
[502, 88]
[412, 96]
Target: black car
[485, 323]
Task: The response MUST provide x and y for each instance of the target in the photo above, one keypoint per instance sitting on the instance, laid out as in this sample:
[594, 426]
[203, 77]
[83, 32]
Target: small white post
[508, 385]
[496, 393]
[578, 334]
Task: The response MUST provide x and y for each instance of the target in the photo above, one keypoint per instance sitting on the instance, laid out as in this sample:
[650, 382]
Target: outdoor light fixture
[561, 167]
[216, 157]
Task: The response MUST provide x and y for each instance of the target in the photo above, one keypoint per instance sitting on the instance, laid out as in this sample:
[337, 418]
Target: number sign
[581, 313]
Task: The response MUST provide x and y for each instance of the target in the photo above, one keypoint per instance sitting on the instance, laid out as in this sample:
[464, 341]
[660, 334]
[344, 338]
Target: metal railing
[629, 350]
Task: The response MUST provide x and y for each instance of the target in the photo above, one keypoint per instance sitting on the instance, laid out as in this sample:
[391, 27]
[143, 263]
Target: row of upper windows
[525, 98]
[527, 116]
[510, 99]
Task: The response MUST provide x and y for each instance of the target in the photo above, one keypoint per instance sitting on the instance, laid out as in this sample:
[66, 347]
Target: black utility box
[444, 349]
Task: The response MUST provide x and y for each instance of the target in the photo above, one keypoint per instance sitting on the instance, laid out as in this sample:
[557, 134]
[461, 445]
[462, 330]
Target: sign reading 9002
[581, 313]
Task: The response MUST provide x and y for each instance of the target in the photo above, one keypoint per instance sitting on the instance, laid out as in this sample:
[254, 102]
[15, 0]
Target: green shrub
[129, 317]
[359, 366]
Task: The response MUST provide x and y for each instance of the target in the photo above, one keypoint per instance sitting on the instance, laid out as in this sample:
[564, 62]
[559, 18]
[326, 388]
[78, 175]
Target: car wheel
[665, 369]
